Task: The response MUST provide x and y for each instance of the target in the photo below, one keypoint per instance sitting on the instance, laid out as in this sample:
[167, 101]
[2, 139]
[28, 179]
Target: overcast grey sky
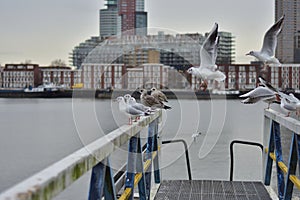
[45, 30]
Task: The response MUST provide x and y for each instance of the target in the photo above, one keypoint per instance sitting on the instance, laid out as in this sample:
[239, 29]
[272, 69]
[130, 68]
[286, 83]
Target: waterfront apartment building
[238, 77]
[60, 76]
[288, 47]
[286, 76]
[80, 52]
[102, 76]
[226, 48]
[119, 76]
[21, 75]
[245, 77]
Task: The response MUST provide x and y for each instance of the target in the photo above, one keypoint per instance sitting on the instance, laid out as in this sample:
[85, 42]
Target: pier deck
[211, 190]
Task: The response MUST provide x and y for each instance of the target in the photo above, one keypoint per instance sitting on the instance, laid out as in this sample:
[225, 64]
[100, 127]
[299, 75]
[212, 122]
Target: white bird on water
[208, 54]
[129, 110]
[267, 52]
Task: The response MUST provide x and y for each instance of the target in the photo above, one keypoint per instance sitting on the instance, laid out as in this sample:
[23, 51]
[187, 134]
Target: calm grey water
[38, 132]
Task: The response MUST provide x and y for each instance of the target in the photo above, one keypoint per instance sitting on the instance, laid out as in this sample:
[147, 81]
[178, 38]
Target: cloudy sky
[45, 30]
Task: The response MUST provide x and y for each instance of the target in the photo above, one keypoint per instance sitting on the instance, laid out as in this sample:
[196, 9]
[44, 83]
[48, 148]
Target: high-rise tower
[108, 19]
[288, 46]
[132, 17]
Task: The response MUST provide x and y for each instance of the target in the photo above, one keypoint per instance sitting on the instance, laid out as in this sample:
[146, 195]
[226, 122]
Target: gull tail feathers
[167, 107]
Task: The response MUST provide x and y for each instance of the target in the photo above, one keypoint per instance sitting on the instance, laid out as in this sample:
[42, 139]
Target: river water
[38, 132]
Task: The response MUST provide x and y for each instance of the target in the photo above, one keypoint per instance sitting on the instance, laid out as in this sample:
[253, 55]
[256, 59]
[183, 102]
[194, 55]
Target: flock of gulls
[150, 102]
[267, 93]
[208, 71]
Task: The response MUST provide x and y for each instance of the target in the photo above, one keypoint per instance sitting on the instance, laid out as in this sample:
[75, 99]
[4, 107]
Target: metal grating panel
[211, 190]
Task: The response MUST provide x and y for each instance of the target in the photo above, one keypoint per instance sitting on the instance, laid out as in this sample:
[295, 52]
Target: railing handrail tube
[288, 122]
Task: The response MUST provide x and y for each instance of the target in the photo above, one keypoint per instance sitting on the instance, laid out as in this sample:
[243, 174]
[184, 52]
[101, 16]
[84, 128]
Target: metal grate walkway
[211, 190]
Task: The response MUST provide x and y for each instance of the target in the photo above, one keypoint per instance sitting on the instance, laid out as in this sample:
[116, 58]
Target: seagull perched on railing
[129, 110]
[260, 93]
[158, 94]
[289, 103]
[208, 54]
[139, 106]
[267, 52]
[151, 101]
[127, 97]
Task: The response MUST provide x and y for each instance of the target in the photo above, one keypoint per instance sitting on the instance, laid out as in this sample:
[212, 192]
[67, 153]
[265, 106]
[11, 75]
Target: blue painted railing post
[278, 153]
[131, 164]
[275, 145]
[269, 162]
[156, 159]
[140, 169]
[102, 182]
[135, 165]
[149, 150]
[293, 160]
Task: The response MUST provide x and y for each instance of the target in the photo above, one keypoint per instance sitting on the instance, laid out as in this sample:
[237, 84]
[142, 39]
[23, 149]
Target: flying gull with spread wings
[208, 54]
[267, 52]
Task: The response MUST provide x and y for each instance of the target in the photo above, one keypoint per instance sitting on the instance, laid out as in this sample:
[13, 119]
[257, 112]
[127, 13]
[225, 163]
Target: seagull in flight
[267, 52]
[208, 54]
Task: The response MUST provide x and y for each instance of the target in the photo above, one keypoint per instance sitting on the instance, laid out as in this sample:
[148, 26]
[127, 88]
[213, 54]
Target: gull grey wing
[288, 97]
[267, 84]
[259, 92]
[270, 39]
[250, 100]
[139, 106]
[208, 51]
[151, 101]
[133, 111]
[288, 106]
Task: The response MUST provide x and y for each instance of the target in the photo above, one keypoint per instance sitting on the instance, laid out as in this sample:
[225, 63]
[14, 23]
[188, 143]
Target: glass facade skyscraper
[287, 47]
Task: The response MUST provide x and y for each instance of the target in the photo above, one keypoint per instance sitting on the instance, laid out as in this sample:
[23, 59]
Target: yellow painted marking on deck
[295, 180]
[127, 192]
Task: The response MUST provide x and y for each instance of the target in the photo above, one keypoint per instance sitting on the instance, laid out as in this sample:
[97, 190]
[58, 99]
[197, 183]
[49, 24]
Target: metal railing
[186, 150]
[275, 120]
[51, 181]
[231, 152]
